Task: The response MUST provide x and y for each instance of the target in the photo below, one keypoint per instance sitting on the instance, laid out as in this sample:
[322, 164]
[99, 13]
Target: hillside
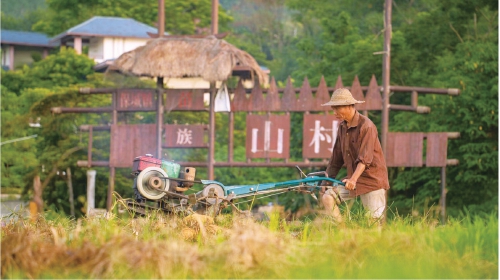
[20, 8]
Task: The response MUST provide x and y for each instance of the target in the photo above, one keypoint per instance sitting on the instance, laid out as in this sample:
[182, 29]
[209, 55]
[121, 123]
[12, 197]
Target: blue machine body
[240, 190]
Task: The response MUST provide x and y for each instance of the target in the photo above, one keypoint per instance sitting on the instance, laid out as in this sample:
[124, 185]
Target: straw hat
[341, 97]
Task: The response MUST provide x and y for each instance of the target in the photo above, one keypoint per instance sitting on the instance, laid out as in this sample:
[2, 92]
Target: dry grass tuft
[250, 245]
[196, 224]
[35, 251]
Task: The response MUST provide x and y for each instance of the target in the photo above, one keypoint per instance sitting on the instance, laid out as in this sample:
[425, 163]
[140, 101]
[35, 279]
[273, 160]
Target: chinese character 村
[322, 134]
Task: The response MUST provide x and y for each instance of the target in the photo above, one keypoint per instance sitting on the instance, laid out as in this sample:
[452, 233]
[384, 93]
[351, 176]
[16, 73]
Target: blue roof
[25, 38]
[109, 27]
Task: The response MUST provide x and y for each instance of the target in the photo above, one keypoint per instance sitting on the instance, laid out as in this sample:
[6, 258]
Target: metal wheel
[218, 191]
[149, 183]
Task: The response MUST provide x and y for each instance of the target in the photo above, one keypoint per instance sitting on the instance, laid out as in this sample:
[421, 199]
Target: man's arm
[350, 183]
[336, 161]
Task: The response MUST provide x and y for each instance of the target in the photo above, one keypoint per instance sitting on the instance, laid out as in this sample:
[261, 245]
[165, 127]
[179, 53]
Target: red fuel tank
[143, 162]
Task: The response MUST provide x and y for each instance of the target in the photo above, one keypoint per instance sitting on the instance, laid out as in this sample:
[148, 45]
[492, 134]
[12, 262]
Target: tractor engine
[151, 181]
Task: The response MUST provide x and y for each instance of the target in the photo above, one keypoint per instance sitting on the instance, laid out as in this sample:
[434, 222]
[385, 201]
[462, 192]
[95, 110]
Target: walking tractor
[162, 185]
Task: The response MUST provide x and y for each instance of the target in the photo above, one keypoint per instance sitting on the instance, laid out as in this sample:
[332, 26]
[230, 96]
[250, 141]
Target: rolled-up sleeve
[336, 161]
[368, 137]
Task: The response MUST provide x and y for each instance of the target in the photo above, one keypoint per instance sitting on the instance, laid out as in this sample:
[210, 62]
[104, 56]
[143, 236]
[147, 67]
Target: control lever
[319, 174]
[302, 174]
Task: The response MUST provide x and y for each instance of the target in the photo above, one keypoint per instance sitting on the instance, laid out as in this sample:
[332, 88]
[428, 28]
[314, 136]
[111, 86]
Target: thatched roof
[209, 58]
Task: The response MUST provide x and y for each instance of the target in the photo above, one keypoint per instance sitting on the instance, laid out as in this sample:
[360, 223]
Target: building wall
[194, 83]
[96, 49]
[5, 55]
[22, 55]
[102, 49]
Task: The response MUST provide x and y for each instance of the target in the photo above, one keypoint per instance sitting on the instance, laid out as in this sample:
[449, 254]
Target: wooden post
[215, 17]
[90, 190]
[70, 192]
[115, 105]
[230, 137]
[161, 18]
[11, 57]
[414, 99]
[211, 138]
[111, 185]
[215, 29]
[36, 206]
[78, 44]
[159, 116]
[89, 148]
[111, 189]
[386, 83]
[443, 194]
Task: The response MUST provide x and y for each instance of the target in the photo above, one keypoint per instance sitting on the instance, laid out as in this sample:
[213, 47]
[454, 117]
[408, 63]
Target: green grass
[230, 246]
[7, 190]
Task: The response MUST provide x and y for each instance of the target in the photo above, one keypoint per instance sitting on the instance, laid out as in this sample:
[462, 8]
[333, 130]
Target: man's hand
[350, 184]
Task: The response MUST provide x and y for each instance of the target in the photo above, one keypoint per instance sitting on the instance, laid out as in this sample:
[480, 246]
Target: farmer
[357, 147]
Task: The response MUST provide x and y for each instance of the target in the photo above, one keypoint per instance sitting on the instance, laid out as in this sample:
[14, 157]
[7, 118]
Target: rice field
[234, 246]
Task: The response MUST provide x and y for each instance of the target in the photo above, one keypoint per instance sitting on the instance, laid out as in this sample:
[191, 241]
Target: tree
[21, 14]
[460, 51]
[27, 96]
[181, 17]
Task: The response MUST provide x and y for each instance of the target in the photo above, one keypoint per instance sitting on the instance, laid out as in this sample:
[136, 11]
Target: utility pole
[386, 74]
[215, 17]
[161, 18]
[211, 148]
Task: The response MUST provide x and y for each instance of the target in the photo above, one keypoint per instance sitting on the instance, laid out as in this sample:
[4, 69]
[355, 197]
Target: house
[19, 47]
[106, 37]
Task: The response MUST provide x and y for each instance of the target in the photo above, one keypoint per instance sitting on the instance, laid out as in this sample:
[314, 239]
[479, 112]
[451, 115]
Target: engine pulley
[212, 197]
[151, 185]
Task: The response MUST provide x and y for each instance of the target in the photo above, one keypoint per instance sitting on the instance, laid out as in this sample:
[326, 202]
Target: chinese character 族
[184, 136]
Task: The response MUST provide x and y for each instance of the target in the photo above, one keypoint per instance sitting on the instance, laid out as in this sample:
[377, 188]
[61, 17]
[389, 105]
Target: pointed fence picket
[303, 99]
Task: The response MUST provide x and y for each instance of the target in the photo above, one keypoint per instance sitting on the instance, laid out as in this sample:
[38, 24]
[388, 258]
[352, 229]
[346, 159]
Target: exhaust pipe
[188, 174]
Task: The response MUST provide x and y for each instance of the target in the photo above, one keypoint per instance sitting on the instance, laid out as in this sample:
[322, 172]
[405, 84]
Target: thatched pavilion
[209, 58]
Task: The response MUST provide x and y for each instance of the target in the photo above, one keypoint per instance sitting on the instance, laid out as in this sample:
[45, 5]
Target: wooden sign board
[437, 147]
[130, 141]
[404, 149]
[268, 136]
[135, 100]
[319, 135]
[184, 136]
[184, 100]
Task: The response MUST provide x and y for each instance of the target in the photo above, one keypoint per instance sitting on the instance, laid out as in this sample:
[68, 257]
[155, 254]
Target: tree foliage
[181, 17]
[472, 66]
[21, 14]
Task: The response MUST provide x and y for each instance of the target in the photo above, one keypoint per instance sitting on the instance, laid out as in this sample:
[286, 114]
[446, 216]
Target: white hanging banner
[222, 100]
